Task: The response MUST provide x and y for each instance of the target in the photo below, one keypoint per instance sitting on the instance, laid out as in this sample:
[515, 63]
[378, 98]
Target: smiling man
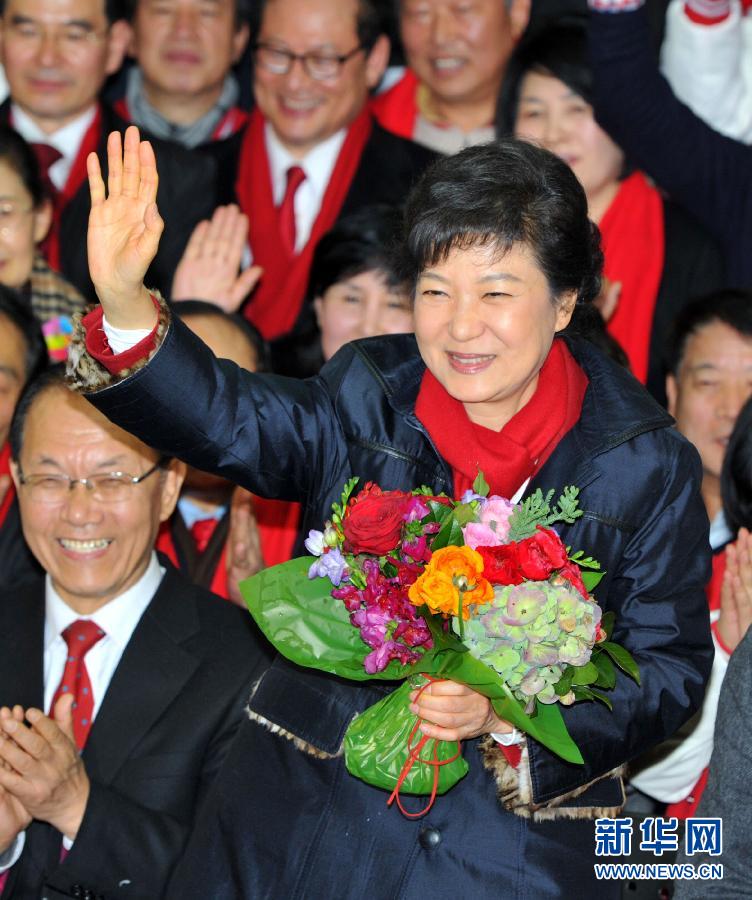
[141, 672]
[312, 151]
[457, 51]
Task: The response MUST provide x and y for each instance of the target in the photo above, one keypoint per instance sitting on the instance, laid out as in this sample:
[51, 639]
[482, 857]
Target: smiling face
[551, 114]
[484, 324]
[712, 384]
[93, 551]
[363, 305]
[303, 111]
[185, 48]
[57, 54]
[21, 227]
[460, 48]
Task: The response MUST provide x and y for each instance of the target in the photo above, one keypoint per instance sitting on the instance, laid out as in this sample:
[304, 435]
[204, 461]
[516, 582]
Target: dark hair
[113, 10]
[369, 22]
[498, 195]
[18, 155]
[561, 51]
[736, 475]
[15, 311]
[53, 377]
[731, 307]
[243, 11]
[249, 332]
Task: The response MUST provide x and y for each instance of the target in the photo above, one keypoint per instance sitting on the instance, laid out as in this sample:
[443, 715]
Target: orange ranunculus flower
[438, 586]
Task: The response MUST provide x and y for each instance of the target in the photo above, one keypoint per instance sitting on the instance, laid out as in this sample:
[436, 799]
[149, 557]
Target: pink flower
[476, 534]
[493, 528]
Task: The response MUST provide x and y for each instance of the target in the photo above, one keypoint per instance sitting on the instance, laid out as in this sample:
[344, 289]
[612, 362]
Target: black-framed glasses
[318, 65]
[107, 487]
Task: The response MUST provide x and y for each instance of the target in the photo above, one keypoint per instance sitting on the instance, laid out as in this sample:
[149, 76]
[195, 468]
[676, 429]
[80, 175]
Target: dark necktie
[295, 177]
[80, 636]
[47, 156]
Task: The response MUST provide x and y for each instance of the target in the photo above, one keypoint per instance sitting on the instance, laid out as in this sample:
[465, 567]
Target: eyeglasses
[12, 215]
[70, 40]
[318, 65]
[109, 487]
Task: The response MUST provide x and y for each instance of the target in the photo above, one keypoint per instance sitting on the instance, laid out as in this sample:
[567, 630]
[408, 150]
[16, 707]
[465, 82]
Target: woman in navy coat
[501, 254]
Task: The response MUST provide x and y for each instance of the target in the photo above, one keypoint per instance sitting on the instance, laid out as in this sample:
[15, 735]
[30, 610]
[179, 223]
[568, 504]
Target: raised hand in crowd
[14, 817]
[124, 229]
[44, 773]
[608, 298]
[736, 593]
[209, 268]
[244, 555]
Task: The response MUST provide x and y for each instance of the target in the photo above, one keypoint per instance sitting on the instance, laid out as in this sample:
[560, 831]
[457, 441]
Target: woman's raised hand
[124, 229]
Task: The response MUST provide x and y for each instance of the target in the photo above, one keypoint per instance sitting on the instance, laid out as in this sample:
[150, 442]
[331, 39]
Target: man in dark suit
[57, 55]
[311, 151]
[143, 672]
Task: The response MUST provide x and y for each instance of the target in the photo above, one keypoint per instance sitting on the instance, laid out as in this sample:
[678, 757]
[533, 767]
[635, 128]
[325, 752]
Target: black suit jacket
[185, 196]
[162, 730]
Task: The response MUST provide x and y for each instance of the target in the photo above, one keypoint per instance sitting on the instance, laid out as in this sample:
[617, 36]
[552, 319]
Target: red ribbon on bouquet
[413, 757]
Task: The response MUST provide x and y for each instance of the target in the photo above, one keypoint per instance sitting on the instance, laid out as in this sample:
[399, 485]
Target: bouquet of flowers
[412, 587]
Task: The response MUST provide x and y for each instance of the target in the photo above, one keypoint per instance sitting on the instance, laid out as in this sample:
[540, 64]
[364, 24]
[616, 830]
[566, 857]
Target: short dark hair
[51, 378]
[369, 22]
[500, 194]
[14, 310]
[113, 10]
[731, 307]
[242, 11]
[249, 332]
[736, 475]
[18, 156]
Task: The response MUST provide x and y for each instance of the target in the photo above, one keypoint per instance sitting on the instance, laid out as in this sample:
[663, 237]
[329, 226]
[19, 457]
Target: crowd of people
[511, 234]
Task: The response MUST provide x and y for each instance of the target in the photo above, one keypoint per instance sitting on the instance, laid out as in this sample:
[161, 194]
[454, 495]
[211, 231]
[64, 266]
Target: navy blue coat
[285, 818]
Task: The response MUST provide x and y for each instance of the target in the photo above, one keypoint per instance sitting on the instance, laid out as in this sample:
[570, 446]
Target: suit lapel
[153, 670]
[22, 645]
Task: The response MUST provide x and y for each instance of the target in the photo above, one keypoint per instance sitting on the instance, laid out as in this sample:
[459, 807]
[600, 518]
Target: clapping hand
[14, 817]
[124, 229]
[208, 269]
[736, 591]
[244, 556]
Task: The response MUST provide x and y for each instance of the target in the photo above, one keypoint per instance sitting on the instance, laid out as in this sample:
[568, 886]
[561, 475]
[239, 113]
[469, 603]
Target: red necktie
[295, 177]
[80, 636]
[201, 532]
[47, 156]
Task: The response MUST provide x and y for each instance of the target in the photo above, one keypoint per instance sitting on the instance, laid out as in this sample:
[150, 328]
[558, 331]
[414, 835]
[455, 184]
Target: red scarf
[397, 109]
[514, 454]
[6, 502]
[633, 248]
[276, 302]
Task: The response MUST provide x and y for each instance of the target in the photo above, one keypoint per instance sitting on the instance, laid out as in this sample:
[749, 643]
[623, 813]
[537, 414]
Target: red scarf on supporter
[510, 456]
[633, 248]
[275, 304]
[397, 109]
[7, 500]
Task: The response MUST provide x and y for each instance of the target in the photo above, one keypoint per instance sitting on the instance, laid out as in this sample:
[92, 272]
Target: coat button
[429, 838]
[77, 891]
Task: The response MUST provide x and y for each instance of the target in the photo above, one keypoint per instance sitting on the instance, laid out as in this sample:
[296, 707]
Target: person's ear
[239, 41]
[519, 16]
[41, 220]
[14, 475]
[565, 305]
[672, 393]
[377, 61]
[318, 306]
[172, 481]
[118, 42]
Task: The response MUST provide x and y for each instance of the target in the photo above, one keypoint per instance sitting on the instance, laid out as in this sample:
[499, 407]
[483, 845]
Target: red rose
[571, 572]
[373, 521]
[500, 564]
[538, 556]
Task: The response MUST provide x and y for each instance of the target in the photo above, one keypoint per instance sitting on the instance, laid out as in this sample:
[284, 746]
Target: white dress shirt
[118, 619]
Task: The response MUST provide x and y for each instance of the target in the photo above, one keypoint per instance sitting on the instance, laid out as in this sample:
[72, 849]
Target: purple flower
[330, 565]
[470, 495]
[416, 509]
[373, 623]
[378, 659]
[314, 543]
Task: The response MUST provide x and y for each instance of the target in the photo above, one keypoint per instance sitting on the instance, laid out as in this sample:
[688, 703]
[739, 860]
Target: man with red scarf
[57, 55]
[311, 151]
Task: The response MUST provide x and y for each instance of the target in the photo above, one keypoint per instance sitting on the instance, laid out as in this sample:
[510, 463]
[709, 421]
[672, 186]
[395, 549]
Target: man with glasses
[57, 55]
[311, 151]
[121, 683]
[183, 88]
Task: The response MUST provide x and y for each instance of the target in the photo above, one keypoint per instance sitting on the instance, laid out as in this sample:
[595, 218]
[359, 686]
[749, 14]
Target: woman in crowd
[499, 252]
[354, 291]
[25, 217]
[655, 257]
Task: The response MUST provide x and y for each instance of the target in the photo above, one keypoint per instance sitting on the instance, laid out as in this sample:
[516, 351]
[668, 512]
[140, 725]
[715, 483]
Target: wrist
[131, 311]
[69, 820]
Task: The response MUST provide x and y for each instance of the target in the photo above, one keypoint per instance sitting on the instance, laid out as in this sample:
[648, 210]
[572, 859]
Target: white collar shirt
[66, 140]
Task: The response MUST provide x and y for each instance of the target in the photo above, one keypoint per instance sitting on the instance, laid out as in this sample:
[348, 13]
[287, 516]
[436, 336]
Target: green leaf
[586, 674]
[623, 659]
[465, 513]
[607, 622]
[606, 671]
[449, 535]
[586, 693]
[480, 485]
[564, 684]
[440, 512]
[591, 580]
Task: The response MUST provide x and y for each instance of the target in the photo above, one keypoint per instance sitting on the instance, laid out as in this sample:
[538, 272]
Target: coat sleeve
[656, 589]
[278, 437]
